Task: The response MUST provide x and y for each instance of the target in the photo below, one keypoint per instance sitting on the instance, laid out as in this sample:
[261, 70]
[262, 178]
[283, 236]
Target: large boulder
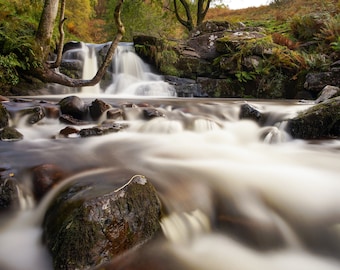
[318, 122]
[92, 222]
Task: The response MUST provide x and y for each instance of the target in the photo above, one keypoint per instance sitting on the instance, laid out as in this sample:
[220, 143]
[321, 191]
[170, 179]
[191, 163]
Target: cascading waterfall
[90, 68]
[239, 196]
[128, 74]
[131, 76]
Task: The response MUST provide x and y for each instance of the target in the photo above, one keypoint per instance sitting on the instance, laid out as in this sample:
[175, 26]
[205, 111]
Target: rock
[67, 131]
[232, 41]
[10, 134]
[71, 46]
[97, 108]
[92, 222]
[4, 116]
[44, 177]
[328, 92]
[33, 114]
[156, 255]
[68, 119]
[205, 45]
[316, 81]
[9, 197]
[248, 111]
[103, 129]
[218, 88]
[150, 113]
[184, 87]
[73, 106]
[318, 122]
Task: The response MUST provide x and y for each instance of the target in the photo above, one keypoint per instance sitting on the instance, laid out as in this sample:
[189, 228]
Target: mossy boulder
[10, 134]
[90, 224]
[4, 116]
[318, 122]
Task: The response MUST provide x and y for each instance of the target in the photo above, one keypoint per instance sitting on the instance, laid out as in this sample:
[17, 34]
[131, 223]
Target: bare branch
[187, 23]
[50, 75]
[61, 35]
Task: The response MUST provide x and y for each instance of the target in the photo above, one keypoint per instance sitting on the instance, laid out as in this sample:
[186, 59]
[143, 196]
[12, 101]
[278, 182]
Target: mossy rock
[4, 116]
[10, 134]
[90, 224]
[318, 122]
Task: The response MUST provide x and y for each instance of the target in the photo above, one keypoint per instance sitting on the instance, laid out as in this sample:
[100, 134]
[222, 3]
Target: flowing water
[239, 195]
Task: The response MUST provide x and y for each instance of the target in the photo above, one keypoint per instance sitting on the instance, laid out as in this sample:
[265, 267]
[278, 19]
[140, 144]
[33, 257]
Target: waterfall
[128, 75]
[90, 68]
[131, 76]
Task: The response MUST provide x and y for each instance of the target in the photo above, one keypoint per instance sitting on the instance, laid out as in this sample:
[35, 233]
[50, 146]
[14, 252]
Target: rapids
[238, 196]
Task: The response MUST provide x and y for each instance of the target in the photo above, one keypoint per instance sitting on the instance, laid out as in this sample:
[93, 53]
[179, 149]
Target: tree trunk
[201, 13]
[46, 24]
[43, 37]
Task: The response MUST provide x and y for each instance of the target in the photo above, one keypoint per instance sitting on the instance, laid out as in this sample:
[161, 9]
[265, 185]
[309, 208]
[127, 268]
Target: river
[239, 195]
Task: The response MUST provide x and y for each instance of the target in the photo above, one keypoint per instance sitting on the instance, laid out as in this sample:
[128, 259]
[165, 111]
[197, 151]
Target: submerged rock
[44, 177]
[318, 122]
[90, 224]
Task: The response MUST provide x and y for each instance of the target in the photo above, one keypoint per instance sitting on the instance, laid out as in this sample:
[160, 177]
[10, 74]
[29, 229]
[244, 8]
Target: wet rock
[73, 106]
[89, 224]
[318, 122]
[114, 113]
[68, 119]
[184, 87]
[51, 111]
[248, 111]
[44, 177]
[68, 131]
[97, 108]
[106, 128]
[327, 93]
[150, 113]
[4, 116]
[156, 255]
[10, 134]
[9, 197]
[34, 114]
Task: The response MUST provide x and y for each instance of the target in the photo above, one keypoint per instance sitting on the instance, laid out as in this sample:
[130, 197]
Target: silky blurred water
[237, 195]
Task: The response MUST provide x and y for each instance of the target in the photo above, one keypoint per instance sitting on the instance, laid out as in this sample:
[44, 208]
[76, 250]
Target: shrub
[306, 27]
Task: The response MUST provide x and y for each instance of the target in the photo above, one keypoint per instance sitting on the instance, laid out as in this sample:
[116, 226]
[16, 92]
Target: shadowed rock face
[91, 224]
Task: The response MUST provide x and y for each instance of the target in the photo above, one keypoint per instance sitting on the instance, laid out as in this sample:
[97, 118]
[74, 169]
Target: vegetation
[288, 24]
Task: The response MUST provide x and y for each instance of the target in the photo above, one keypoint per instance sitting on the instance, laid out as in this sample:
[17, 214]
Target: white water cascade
[90, 68]
[238, 196]
[128, 75]
[131, 76]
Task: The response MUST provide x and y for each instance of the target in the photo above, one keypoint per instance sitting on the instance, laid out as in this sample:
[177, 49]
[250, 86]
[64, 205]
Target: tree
[36, 48]
[142, 17]
[201, 7]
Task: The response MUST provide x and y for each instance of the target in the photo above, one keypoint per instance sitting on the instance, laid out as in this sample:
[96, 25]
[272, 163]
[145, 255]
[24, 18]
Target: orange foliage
[284, 41]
